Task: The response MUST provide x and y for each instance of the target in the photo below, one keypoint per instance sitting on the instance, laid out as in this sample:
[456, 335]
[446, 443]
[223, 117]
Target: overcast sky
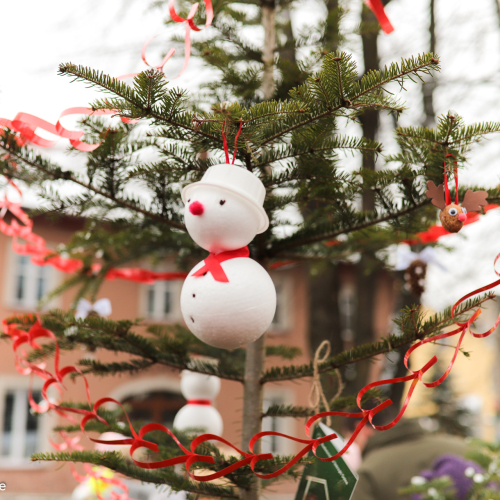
[108, 35]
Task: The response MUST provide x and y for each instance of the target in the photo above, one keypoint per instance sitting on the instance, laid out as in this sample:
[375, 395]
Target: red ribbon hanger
[447, 194]
[224, 142]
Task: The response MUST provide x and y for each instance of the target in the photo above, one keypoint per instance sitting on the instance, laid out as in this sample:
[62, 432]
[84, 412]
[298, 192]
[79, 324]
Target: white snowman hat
[239, 181]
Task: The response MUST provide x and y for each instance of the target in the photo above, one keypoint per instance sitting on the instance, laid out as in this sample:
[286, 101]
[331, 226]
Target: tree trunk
[324, 321]
[268, 9]
[255, 355]
[366, 277]
[288, 53]
[252, 405]
[497, 5]
[429, 86]
[404, 299]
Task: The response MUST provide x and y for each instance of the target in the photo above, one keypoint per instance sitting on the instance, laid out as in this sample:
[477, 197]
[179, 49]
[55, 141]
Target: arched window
[155, 406]
[151, 399]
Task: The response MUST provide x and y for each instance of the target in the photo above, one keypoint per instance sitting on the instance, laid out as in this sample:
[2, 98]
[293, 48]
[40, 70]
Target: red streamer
[377, 7]
[35, 247]
[26, 124]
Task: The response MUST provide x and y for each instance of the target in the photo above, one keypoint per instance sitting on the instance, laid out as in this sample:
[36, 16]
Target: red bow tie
[213, 261]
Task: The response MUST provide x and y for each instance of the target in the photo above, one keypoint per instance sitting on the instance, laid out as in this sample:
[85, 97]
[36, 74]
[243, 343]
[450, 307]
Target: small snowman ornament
[200, 390]
[228, 300]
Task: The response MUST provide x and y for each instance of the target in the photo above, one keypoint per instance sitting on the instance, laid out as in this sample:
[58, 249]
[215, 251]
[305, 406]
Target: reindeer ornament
[453, 215]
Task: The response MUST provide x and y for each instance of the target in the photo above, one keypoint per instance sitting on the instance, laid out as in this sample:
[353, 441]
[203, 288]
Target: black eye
[222, 202]
[189, 200]
[453, 211]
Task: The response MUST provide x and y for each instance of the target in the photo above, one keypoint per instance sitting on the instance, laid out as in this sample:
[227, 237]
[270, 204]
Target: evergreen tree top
[295, 146]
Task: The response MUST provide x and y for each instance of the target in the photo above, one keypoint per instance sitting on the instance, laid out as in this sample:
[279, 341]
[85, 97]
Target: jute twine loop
[317, 395]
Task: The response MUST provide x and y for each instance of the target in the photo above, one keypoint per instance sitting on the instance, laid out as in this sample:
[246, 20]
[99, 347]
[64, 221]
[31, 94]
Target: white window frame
[286, 425]
[283, 283]
[160, 288]
[30, 300]
[347, 303]
[19, 385]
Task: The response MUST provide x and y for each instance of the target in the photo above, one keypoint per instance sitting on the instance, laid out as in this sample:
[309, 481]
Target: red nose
[462, 217]
[196, 208]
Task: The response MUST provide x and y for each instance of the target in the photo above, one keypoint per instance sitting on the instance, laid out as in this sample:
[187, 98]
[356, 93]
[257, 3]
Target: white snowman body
[201, 388]
[224, 212]
[229, 315]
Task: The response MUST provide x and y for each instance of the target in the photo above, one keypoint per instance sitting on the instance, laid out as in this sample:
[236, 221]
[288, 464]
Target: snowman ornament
[200, 390]
[228, 300]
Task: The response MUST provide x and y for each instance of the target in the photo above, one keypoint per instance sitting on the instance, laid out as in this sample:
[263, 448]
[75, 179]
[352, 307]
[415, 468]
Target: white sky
[108, 35]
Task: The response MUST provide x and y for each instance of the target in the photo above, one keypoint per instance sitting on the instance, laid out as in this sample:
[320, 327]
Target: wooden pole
[268, 9]
[255, 355]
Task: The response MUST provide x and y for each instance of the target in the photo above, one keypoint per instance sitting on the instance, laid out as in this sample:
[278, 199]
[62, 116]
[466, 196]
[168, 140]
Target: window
[274, 444]
[159, 300]
[162, 300]
[278, 315]
[20, 426]
[283, 285]
[270, 444]
[31, 282]
[347, 309]
[155, 406]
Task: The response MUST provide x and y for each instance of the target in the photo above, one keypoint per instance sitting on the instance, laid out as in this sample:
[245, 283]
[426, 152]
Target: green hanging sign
[327, 480]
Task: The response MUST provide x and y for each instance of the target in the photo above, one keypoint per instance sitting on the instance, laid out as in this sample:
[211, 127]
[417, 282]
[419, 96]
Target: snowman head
[199, 386]
[224, 210]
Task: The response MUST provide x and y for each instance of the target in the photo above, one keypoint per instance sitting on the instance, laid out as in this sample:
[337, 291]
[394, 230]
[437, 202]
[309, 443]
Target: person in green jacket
[391, 458]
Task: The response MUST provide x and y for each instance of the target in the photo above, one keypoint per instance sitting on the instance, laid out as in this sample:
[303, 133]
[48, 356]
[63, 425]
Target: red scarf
[213, 261]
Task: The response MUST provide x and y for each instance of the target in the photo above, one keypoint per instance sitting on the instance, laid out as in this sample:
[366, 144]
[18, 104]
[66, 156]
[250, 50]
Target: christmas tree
[285, 117]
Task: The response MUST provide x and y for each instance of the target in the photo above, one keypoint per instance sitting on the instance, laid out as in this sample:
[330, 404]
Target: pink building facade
[154, 394]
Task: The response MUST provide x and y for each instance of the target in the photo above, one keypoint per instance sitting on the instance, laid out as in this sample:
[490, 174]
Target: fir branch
[295, 241]
[69, 177]
[172, 346]
[346, 403]
[115, 461]
[412, 328]
[372, 81]
[97, 367]
[376, 79]
[283, 351]
[116, 87]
